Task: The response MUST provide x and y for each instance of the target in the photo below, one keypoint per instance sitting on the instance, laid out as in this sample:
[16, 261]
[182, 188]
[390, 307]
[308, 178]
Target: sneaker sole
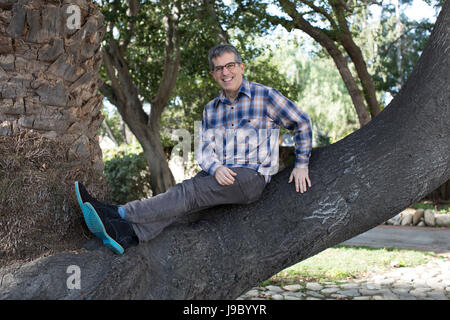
[95, 225]
[77, 191]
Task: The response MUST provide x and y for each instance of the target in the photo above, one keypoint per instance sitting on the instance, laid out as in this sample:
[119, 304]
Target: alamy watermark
[246, 145]
[74, 279]
[74, 19]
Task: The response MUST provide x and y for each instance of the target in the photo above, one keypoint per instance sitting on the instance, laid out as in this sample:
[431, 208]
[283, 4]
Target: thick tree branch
[321, 11]
[133, 9]
[345, 38]
[222, 35]
[172, 57]
[121, 83]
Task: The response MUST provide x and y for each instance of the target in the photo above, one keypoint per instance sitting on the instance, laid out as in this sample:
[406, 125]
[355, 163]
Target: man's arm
[285, 113]
[206, 156]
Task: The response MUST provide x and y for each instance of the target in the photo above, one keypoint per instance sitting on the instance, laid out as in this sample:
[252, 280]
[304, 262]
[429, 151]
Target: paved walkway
[418, 238]
[430, 281]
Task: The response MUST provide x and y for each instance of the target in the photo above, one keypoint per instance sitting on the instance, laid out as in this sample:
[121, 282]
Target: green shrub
[127, 173]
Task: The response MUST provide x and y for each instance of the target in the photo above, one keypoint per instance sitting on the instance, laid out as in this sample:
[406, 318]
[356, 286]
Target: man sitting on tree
[237, 152]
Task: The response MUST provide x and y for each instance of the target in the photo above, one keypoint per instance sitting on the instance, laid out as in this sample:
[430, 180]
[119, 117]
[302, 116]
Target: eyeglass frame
[215, 70]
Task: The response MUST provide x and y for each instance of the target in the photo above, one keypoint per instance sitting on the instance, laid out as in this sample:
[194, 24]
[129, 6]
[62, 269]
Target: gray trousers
[149, 217]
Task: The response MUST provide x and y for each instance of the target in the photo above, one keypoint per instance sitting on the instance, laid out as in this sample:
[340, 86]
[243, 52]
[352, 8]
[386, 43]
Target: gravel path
[430, 281]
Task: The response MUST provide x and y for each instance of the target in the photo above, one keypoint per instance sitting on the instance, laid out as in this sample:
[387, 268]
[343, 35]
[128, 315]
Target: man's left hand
[301, 178]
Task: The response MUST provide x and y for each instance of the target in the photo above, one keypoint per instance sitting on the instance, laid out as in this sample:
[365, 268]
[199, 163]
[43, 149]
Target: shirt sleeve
[206, 154]
[286, 113]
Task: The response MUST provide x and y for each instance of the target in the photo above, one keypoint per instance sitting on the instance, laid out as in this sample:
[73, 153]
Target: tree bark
[222, 35]
[49, 107]
[48, 74]
[357, 183]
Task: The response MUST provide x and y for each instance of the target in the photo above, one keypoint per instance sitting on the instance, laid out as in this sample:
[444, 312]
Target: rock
[297, 294]
[314, 294]
[418, 293]
[442, 220]
[329, 290]
[407, 219]
[277, 297]
[394, 264]
[417, 216]
[274, 289]
[395, 220]
[368, 292]
[372, 286]
[349, 292]
[349, 285]
[421, 224]
[252, 293]
[292, 287]
[314, 286]
[291, 298]
[429, 218]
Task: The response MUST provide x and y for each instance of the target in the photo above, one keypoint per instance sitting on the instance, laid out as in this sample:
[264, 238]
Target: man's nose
[225, 71]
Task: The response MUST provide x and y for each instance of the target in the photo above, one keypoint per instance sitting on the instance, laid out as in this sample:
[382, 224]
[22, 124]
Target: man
[238, 154]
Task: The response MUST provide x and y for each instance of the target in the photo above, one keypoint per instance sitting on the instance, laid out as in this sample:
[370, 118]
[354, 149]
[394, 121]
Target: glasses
[229, 66]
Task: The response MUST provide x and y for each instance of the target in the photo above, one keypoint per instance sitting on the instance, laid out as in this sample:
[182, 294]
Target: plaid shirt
[245, 133]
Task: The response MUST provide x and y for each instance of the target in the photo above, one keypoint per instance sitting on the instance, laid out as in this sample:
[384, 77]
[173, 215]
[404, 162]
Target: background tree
[177, 87]
[327, 23]
[400, 47]
[49, 116]
[130, 83]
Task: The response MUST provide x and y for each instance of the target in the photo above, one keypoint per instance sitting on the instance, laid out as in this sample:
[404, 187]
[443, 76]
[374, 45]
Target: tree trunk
[349, 81]
[357, 183]
[124, 94]
[161, 175]
[48, 70]
[49, 116]
[344, 36]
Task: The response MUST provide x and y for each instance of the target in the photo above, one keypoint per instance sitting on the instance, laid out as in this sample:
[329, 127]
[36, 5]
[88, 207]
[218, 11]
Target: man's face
[229, 79]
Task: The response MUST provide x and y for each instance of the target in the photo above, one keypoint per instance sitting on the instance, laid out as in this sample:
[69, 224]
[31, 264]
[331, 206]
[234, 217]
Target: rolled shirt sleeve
[206, 156]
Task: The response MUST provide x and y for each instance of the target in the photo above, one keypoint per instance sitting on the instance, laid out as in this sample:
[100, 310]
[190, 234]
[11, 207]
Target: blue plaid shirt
[245, 133]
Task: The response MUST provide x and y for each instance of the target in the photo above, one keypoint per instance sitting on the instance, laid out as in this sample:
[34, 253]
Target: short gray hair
[219, 50]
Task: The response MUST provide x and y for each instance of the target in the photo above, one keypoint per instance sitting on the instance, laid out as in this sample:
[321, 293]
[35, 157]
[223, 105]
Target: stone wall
[420, 218]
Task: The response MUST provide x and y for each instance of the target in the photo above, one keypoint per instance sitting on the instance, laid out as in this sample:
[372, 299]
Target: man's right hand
[224, 176]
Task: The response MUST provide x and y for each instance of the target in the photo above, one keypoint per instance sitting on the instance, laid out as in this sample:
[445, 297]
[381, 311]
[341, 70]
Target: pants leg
[149, 217]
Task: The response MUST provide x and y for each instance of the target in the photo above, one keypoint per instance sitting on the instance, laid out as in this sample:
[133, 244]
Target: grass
[341, 263]
[442, 208]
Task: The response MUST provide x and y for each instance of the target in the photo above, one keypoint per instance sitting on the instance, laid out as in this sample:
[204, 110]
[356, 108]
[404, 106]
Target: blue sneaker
[105, 222]
[117, 234]
[83, 196]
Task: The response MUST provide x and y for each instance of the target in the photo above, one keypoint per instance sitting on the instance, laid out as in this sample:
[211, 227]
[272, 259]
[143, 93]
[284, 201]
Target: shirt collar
[244, 88]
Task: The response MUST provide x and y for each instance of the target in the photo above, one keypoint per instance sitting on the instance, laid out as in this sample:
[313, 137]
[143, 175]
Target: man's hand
[301, 178]
[224, 176]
